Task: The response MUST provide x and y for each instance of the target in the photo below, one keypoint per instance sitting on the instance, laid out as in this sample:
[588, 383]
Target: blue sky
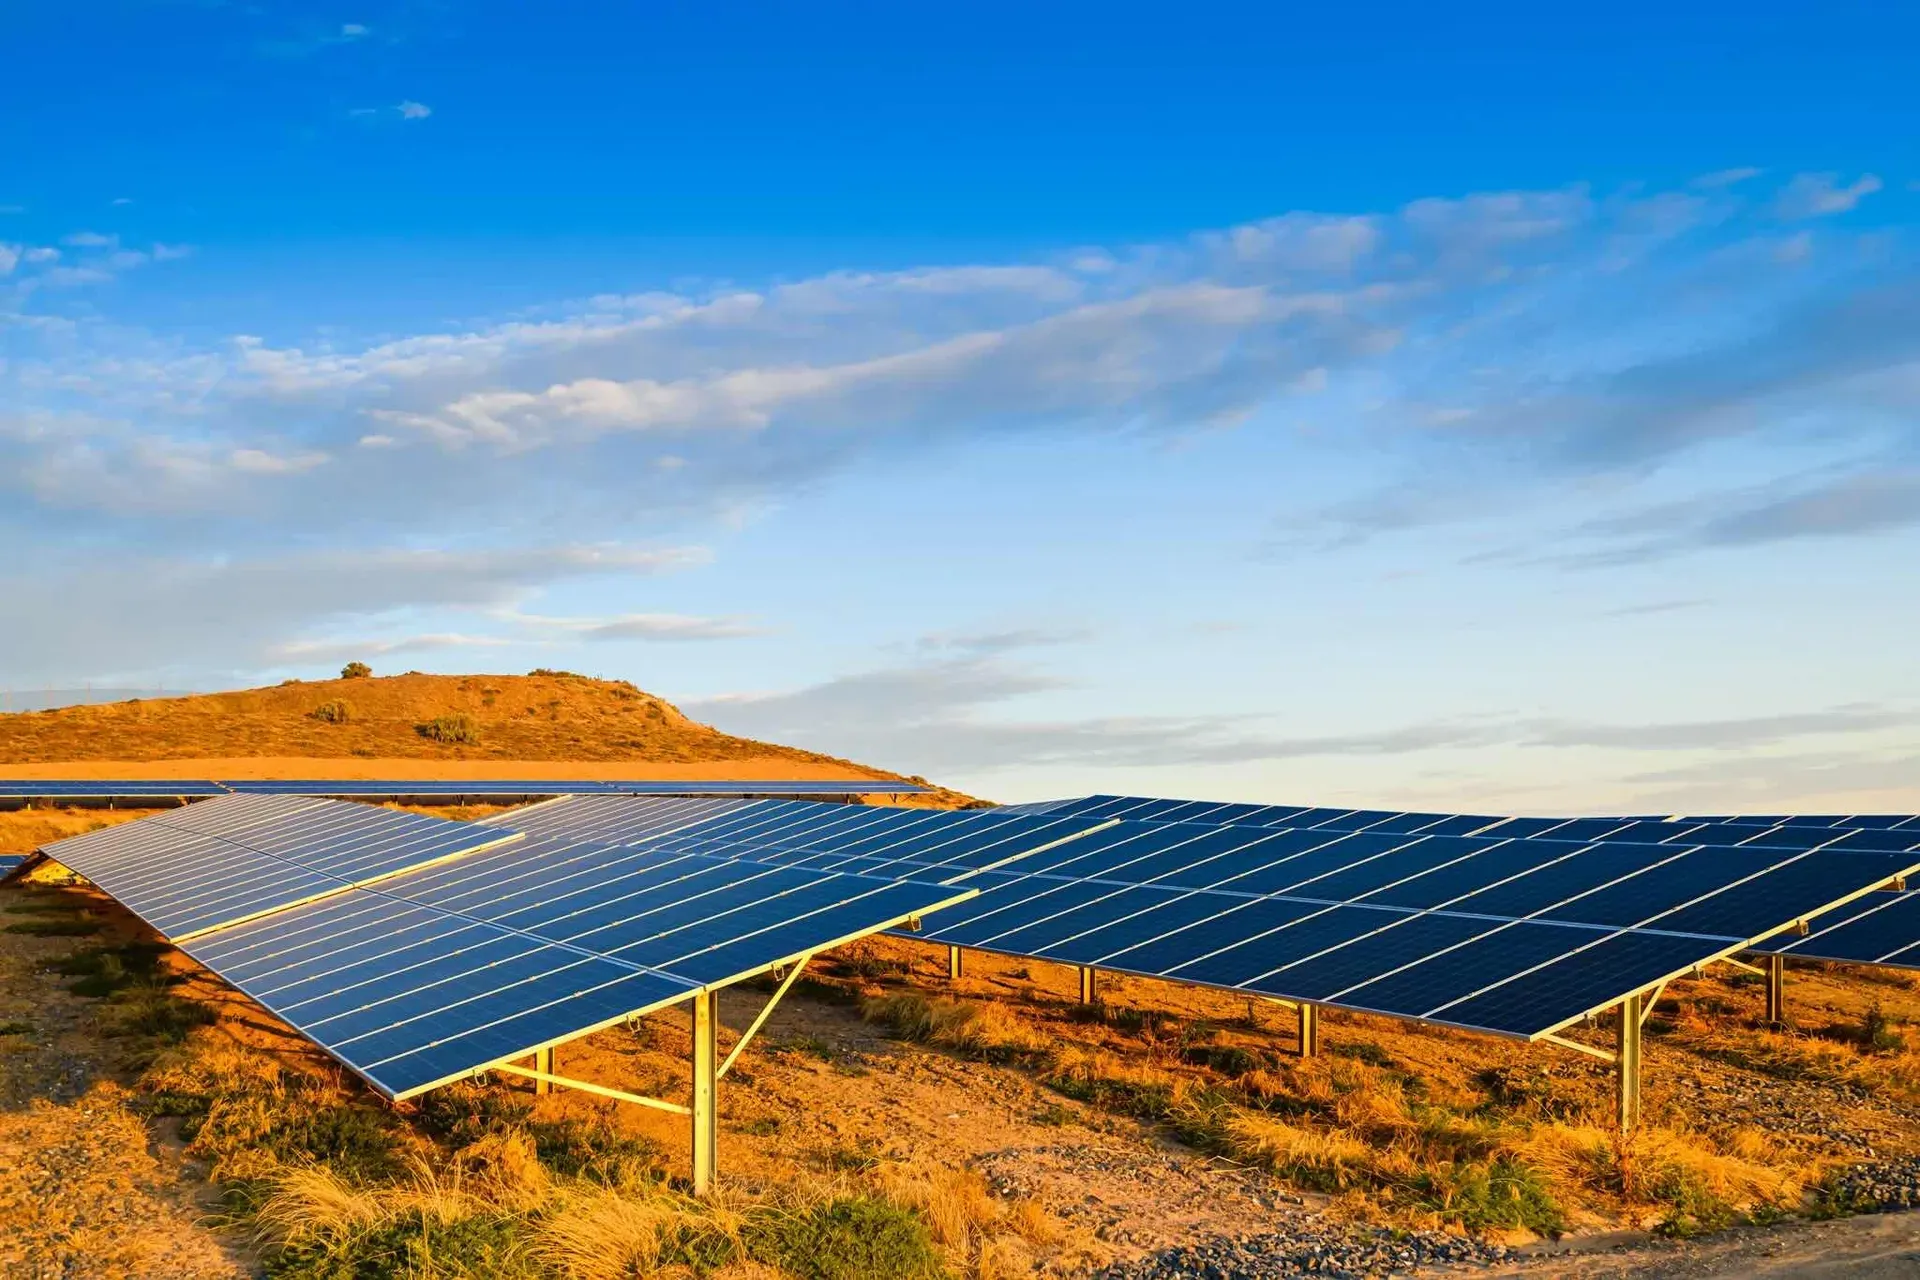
[1478, 409]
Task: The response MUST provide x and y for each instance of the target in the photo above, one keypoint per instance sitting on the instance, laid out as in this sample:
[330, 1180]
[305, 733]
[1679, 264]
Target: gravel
[1309, 1248]
[1882, 1186]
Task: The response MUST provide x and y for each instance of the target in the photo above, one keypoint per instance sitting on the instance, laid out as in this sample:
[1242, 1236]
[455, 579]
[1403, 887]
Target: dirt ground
[1880, 1247]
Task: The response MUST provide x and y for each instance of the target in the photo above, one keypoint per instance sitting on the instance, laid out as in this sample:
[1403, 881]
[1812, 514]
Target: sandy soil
[748, 768]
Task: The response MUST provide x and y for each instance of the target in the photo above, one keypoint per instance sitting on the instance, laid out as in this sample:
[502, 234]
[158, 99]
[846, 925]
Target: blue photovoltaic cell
[443, 971]
[1877, 928]
[614, 819]
[189, 870]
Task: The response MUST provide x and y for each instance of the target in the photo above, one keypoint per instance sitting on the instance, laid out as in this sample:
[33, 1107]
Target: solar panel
[187, 871]
[45, 789]
[441, 972]
[1431, 928]
[1881, 834]
[617, 819]
[1880, 929]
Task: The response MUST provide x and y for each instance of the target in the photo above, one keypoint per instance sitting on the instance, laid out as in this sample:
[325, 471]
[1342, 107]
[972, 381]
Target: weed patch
[457, 730]
[853, 1238]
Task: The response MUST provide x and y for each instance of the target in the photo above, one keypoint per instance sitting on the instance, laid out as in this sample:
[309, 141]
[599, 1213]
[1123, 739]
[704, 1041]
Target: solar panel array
[132, 789]
[1515, 935]
[191, 870]
[1881, 928]
[441, 971]
[1619, 830]
[417, 951]
[165, 789]
[1873, 941]
[1862, 821]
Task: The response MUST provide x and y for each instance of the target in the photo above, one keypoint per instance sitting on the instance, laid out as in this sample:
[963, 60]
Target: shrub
[355, 671]
[103, 971]
[852, 1238]
[413, 1245]
[334, 712]
[1877, 1031]
[452, 730]
[16, 1028]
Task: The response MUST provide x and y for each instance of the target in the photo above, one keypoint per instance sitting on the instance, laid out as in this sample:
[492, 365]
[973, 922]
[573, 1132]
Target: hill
[548, 724]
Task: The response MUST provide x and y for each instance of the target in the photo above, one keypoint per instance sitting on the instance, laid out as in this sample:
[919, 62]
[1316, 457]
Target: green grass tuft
[852, 1238]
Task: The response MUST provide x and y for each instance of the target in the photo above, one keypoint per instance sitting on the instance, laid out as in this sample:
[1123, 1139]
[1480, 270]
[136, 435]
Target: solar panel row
[442, 971]
[1514, 935]
[1631, 830]
[187, 871]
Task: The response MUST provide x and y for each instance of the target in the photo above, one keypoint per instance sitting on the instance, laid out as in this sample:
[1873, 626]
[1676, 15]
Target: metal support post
[1089, 984]
[706, 1129]
[953, 963]
[1776, 989]
[543, 1063]
[1309, 1030]
[1627, 1063]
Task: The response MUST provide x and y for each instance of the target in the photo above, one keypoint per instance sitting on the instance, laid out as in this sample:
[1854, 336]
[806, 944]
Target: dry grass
[327, 1185]
[1503, 1155]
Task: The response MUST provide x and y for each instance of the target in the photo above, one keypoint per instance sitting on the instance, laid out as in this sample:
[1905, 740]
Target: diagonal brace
[586, 1087]
[1577, 1047]
[766, 1011]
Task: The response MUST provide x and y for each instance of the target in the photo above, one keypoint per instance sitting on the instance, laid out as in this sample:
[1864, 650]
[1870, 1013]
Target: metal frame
[1089, 984]
[1627, 1064]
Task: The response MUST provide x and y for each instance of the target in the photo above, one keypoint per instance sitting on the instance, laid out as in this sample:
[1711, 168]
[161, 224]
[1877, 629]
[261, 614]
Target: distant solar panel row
[1860, 821]
[1514, 935]
[188, 871]
[1630, 830]
[37, 789]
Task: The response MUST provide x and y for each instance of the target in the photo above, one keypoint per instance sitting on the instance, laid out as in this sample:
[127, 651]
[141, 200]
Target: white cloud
[10, 255]
[353, 30]
[241, 612]
[1726, 177]
[411, 110]
[90, 240]
[1816, 195]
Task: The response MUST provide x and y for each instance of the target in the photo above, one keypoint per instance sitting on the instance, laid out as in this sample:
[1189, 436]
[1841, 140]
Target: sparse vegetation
[456, 730]
[548, 716]
[356, 671]
[476, 1186]
[1354, 1123]
[332, 711]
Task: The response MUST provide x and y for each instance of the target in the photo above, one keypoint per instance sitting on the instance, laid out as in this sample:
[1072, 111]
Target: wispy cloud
[403, 110]
[1500, 348]
[959, 716]
[1817, 195]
